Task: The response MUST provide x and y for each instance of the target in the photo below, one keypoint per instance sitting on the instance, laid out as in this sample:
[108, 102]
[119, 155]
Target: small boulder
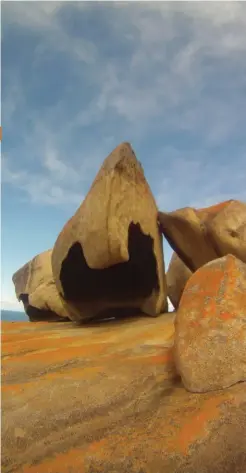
[177, 277]
[201, 235]
[210, 336]
[35, 287]
[109, 254]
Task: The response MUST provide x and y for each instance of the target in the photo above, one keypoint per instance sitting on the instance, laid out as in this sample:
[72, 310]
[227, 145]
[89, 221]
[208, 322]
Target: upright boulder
[201, 235]
[177, 277]
[210, 326]
[35, 287]
[109, 255]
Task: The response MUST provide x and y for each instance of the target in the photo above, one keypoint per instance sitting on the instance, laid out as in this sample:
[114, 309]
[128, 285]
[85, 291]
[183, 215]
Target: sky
[78, 78]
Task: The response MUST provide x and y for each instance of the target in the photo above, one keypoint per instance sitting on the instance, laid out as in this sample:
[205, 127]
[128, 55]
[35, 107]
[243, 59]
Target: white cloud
[57, 168]
[195, 179]
[173, 40]
[11, 304]
[42, 188]
[42, 17]
[176, 52]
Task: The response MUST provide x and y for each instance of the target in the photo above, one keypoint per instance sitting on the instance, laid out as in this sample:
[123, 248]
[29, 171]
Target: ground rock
[210, 336]
[177, 277]
[201, 235]
[106, 398]
[35, 287]
[109, 254]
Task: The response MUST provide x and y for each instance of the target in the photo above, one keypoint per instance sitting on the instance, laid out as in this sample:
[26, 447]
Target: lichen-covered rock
[177, 277]
[201, 235]
[109, 255]
[35, 287]
[210, 337]
[106, 398]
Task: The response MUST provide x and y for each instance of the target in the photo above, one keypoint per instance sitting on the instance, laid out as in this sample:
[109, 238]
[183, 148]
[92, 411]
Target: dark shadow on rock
[41, 315]
[114, 316]
[133, 279]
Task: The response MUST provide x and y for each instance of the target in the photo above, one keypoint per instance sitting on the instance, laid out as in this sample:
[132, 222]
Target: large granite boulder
[35, 287]
[210, 337]
[199, 236]
[106, 398]
[109, 254]
[177, 277]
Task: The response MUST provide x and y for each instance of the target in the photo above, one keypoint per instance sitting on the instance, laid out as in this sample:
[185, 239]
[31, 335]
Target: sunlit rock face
[35, 287]
[201, 235]
[109, 254]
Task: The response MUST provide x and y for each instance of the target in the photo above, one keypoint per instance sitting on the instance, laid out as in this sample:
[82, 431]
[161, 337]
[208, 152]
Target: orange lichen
[71, 461]
[16, 388]
[56, 355]
[74, 373]
[196, 426]
[156, 359]
[213, 209]
[34, 344]
[226, 315]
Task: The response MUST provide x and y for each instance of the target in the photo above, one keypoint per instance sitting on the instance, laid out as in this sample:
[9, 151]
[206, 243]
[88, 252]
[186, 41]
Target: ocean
[13, 316]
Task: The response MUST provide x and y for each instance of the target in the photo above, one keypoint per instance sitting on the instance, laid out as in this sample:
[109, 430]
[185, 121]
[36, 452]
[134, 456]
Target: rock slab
[106, 398]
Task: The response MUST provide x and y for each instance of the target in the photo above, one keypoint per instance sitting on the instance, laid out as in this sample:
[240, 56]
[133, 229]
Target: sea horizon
[13, 316]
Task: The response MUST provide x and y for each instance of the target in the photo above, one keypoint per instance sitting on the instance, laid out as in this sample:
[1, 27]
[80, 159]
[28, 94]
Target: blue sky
[79, 78]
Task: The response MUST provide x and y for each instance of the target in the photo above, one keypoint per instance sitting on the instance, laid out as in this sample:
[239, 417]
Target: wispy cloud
[45, 187]
[42, 18]
[159, 70]
[197, 179]
[11, 304]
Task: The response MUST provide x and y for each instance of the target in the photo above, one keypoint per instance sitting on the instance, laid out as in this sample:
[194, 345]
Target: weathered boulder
[177, 277]
[199, 236]
[227, 229]
[109, 255]
[106, 398]
[210, 337]
[35, 287]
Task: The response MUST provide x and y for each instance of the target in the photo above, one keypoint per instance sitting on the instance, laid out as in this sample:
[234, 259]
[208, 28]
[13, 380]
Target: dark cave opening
[130, 280]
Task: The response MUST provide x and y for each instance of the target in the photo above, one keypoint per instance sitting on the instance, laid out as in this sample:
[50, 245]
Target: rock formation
[109, 255]
[177, 277]
[35, 287]
[199, 236]
[210, 337]
[106, 398]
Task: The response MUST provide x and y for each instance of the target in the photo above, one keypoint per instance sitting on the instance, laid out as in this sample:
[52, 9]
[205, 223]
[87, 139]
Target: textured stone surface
[106, 399]
[177, 277]
[35, 287]
[210, 337]
[109, 255]
[201, 235]
[227, 230]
